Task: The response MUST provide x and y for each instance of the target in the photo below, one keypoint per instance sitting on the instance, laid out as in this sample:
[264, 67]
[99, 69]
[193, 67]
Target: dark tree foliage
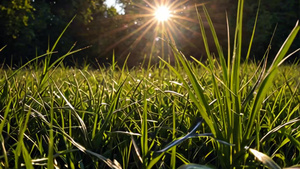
[30, 27]
[275, 17]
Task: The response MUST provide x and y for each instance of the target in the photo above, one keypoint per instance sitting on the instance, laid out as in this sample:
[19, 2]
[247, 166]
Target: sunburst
[162, 13]
[161, 19]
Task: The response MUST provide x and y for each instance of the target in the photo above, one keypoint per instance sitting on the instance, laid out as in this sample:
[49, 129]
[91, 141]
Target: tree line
[29, 27]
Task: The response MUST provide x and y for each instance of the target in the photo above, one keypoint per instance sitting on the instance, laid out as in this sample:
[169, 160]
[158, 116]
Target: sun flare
[160, 21]
[162, 13]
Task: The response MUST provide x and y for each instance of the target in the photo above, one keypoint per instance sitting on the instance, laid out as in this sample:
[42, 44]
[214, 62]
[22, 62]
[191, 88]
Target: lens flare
[162, 13]
[150, 24]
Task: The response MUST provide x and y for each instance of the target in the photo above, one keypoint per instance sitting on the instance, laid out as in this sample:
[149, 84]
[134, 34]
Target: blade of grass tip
[59, 37]
[261, 75]
[56, 62]
[217, 43]
[113, 61]
[253, 33]
[288, 56]
[3, 48]
[15, 72]
[201, 64]
[286, 45]
[237, 49]
[204, 36]
[266, 160]
[125, 62]
[48, 58]
[60, 59]
[228, 47]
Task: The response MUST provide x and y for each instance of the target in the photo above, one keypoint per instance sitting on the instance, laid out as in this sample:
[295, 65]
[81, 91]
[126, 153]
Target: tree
[31, 26]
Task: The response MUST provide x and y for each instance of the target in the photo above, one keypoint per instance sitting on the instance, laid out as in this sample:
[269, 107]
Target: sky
[110, 3]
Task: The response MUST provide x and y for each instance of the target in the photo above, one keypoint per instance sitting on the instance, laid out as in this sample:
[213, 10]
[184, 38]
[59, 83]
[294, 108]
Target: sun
[155, 23]
[162, 13]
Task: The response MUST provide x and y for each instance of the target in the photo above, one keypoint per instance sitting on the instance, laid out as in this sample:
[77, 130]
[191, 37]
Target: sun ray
[129, 35]
[154, 40]
[185, 27]
[140, 37]
[151, 6]
[151, 10]
[183, 36]
[174, 5]
[184, 18]
[177, 10]
[170, 36]
[168, 19]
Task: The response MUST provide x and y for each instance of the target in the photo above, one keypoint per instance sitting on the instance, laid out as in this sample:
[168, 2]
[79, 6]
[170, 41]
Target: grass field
[83, 118]
[223, 114]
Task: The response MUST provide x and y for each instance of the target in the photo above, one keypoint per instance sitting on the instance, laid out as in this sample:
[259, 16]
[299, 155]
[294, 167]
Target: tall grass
[237, 117]
[221, 115]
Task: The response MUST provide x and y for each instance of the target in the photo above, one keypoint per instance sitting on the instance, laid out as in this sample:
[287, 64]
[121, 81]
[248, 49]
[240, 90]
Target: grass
[84, 118]
[226, 114]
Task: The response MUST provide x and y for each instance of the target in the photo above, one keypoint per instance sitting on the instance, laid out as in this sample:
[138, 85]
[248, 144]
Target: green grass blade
[267, 80]
[253, 33]
[173, 154]
[61, 34]
[3, 121]
[144, 133]
[291, 122]
[112, 109]
[20, 145]
[155, 160]
[74, 113]
[50, 163]
[26, 157]
[217, 44]
[286, 45]
[197, 95]
[266, 160]
[3, 48]
[203, 33]
[180, 140]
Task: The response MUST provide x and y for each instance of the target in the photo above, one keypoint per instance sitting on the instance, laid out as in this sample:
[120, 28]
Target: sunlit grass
[129, 116]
